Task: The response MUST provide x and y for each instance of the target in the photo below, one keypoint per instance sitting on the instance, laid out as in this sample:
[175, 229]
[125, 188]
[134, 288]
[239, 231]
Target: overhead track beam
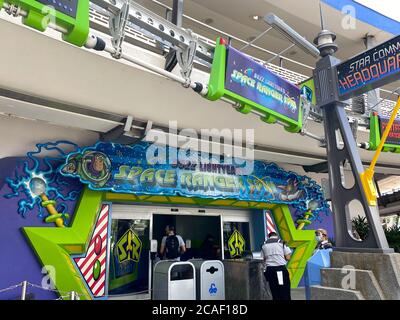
[160, 29]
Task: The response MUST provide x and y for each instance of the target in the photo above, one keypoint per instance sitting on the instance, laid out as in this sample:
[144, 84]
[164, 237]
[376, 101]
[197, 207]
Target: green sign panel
[71, 15]
[241, 79]
[378, 125]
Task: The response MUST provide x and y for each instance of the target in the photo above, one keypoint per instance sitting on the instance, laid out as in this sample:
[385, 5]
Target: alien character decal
[92, 166]
[291, 191]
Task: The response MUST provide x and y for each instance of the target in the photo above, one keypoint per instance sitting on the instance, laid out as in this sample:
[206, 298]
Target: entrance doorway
[201, 234]
[134, 226]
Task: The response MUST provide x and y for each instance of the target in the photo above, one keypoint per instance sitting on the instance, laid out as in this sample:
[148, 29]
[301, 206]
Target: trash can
[210, 279]
[174, 280]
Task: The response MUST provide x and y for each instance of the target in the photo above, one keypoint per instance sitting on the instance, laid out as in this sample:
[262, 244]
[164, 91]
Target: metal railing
[67, 295]
[230, 36]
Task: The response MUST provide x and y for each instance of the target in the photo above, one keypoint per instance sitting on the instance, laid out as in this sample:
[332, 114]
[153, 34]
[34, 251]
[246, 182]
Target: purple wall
[18, 260]
[326, 223]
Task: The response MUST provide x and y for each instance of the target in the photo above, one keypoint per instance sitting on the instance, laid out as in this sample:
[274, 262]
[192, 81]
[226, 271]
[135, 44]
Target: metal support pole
[341, 195]
[177, 13]
[344, 197]
[176, 18]
[255, 39]
[279, 54]
[23, 290]
[72, 295]
[373, 96]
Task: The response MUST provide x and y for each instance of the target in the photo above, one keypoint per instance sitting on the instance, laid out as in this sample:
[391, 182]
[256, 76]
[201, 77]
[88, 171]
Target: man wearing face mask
[322, 237]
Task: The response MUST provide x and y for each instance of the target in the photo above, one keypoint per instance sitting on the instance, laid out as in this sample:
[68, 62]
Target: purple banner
[251, 80]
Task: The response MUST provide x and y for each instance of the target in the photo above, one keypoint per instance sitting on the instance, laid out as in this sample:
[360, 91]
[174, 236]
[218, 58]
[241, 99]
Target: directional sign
[372, 69]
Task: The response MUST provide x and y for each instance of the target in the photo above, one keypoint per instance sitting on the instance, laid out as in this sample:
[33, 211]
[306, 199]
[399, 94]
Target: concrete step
[328, 293]
[363, 281]
[385, 267]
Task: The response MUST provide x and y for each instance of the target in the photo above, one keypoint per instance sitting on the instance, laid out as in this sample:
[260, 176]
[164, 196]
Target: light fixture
[255, 17]
[290, 34]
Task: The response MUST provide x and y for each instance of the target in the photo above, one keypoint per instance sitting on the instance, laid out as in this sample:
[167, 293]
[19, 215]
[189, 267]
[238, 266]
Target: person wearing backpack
[172, 245]
[276, 254]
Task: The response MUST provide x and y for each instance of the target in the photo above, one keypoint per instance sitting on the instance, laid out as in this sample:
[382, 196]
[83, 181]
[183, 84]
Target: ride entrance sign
[239, 78]
[369, 70]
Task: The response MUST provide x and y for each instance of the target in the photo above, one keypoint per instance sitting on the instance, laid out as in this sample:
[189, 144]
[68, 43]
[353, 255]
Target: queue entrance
[201, 234]
[209, 234]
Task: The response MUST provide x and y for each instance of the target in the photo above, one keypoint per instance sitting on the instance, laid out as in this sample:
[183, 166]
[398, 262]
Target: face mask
[319, 238]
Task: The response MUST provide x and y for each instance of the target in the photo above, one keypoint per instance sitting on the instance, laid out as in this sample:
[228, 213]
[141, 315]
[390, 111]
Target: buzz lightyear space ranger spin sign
[150, 169]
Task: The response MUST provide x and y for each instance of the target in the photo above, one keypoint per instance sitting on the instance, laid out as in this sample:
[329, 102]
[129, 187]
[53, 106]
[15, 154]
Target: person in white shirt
[276, 254]
[172, 245]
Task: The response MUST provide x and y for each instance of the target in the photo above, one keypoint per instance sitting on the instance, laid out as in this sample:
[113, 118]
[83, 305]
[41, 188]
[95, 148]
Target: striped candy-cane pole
[269, 223]
[93, 265]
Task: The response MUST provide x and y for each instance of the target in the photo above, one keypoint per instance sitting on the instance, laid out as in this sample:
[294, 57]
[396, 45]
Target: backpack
[274, 241]
[172, 247]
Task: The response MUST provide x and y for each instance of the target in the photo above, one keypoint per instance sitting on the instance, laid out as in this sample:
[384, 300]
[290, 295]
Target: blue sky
[389, 8]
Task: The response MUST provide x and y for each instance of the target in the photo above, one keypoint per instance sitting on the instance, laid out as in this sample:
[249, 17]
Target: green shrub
[360, 224]
[393, 237]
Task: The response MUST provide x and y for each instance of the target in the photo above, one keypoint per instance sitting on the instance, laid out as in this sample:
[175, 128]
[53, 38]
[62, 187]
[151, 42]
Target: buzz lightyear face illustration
[92, 166]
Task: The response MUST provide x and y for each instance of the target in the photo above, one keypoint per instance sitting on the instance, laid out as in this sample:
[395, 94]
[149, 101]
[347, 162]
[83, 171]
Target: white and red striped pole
[269, 223]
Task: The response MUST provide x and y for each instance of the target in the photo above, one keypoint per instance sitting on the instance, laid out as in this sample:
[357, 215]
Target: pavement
[298, 294]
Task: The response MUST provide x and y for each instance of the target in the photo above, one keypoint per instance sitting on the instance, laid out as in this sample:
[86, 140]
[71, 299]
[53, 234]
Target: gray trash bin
[174, 280]
[210, 279]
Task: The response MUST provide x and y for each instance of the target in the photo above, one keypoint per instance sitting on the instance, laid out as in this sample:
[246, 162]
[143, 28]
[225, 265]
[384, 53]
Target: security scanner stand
[174, 280]
[210, 279]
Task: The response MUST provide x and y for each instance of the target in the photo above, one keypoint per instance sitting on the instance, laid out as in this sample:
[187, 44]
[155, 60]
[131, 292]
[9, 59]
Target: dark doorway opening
[204, 233]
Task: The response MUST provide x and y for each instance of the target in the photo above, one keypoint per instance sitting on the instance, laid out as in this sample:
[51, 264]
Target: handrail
[236, 38]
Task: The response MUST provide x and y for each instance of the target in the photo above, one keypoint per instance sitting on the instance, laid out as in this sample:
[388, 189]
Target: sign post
[334, 83]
